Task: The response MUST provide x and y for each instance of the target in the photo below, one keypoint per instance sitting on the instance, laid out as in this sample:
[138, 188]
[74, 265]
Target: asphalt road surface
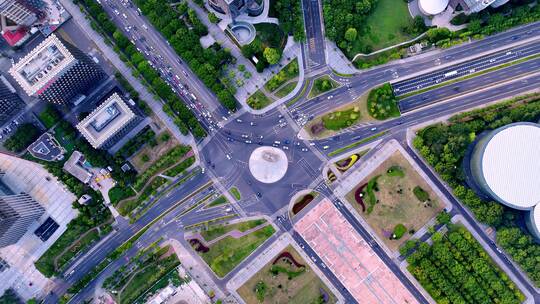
[313, 24]
[465, 68]
[423, 99]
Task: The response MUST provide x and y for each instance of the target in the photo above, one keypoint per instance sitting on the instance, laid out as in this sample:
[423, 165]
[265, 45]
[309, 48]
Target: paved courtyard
[350, 257]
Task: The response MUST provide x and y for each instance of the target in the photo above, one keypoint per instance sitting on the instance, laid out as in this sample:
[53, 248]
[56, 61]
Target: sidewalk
[111, 56]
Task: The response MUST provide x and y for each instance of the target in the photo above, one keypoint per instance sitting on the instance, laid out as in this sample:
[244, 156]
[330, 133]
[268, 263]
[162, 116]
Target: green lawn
[384, 26]
[286, 89]
[83, 244]
[218, 201]
[321, 85]
[235, 193]
[228, 252]
[341, 119]
[258, 100]
[219, 230]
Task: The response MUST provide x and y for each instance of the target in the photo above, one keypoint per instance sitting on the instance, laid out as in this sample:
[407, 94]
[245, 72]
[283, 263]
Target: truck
[450, 74]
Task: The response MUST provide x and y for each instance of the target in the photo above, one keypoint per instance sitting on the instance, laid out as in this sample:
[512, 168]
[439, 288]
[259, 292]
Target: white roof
[432, 7]
[105, 121]
[511, 165]
[536, 220]
[35, 71]
[268, 164]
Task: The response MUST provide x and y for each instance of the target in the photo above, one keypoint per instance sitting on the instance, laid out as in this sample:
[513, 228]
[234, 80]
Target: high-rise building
[56, 71]
[17, 213]
[21, 12]
[10, 102]
[474, 6]
[109, 122]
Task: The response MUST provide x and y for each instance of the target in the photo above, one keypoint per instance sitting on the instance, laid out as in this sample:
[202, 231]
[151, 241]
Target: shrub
[399, 231]
[421, 194]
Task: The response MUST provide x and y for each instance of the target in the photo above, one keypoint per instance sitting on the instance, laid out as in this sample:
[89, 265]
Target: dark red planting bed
[358, 198]
[302, 203]
[199, 247]
[287, 255]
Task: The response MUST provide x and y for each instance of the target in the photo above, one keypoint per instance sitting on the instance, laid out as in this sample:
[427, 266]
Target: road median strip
[357, 143]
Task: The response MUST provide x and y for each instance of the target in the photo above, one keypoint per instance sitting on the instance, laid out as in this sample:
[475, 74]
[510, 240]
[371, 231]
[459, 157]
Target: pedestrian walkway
[111, 56]
[338, 61]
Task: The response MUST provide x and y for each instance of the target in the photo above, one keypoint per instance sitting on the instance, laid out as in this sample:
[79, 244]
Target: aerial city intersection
[269, 151]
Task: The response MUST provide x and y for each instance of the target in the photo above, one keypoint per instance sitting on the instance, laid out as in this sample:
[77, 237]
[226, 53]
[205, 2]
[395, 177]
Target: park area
[395, 200]
[286, 279]
[384, 27]
[224, 252]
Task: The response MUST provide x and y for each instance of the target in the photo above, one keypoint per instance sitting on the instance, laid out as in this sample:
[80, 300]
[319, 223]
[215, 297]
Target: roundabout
[268, 164]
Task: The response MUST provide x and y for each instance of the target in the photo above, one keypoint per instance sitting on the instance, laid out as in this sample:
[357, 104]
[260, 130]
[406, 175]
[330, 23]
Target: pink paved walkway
[350, 258]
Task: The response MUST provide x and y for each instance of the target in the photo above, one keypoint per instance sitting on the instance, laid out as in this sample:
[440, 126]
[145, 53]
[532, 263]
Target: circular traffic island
[268, 164]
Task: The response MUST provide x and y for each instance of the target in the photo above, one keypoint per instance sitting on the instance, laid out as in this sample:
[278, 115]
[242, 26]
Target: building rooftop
[36, 70]
[511, 164]
[74, 167]
[104, 121]
[432, 7]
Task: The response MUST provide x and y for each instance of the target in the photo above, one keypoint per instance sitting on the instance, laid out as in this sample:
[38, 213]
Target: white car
[326, 147]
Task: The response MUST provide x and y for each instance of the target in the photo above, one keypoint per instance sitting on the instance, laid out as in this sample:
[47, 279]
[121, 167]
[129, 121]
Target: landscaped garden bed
[302, 202]
[225, 254]
[321, 85]
[346, 163]
[382, 103]
[386, 200]
[329, 123]
[286, 279]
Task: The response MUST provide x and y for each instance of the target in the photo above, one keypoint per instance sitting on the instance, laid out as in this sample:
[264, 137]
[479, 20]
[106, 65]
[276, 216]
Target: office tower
[56, 71]
[10, 102]
[17, 213]
[21, 12]
[108, 123]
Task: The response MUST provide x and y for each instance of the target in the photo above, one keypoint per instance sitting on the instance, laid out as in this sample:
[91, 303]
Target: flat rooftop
[35, 70]
[106, 120]
[350, 257]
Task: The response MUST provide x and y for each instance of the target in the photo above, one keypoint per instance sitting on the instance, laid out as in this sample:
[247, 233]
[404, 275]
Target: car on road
[285, 148]
[304, 149]
[228, 156]
[238, 120]
[326, 147]
[230, 139]
[374, 129]
[248, 141]
[245, 135]
[252, 124]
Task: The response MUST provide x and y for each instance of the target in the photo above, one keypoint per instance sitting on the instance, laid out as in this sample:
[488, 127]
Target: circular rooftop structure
[506, 165]
[268, 164]
[432, 7]
[533, 222]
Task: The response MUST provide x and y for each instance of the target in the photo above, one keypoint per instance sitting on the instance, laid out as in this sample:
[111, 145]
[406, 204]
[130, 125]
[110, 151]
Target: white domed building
[505, 165]
[432, 7]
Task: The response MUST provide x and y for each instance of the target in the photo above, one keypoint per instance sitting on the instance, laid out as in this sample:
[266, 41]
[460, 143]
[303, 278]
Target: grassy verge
[227, 253]
[445, 83]
[218, 201]
[297, 97]
[235, 193]
[286, 89]
[382, 103]
[288, 72]
[258, 100]
[356, 144]
[321, 85]
[219, 230]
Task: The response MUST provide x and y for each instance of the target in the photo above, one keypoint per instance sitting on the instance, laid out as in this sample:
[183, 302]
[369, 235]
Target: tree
[271, 55]
[351, 34]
